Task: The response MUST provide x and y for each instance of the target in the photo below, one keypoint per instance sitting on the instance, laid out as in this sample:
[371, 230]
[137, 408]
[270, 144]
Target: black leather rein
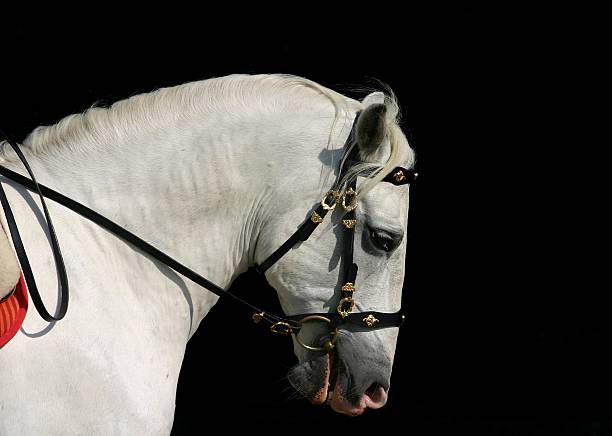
[283, 325]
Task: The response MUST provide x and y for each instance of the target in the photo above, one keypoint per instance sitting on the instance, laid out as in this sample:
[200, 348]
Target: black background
[501, 336]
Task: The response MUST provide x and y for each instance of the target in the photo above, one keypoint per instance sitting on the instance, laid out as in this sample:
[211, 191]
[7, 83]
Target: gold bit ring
[328, 346]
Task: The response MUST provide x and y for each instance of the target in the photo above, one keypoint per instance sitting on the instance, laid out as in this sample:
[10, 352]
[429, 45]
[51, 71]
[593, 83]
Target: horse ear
[371, 126]
[373, 98]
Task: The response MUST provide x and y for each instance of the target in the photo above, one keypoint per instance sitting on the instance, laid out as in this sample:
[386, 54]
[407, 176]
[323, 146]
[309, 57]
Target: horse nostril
[375, 396]
[372, 389]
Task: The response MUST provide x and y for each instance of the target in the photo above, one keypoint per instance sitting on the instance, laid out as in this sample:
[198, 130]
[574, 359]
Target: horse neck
[201, 191]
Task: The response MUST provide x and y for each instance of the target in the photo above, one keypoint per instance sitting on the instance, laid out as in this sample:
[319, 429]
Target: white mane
[165, 106]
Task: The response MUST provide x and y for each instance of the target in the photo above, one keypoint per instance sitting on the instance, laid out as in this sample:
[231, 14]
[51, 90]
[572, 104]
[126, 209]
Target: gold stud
[370, 320]
[349, 224]
[316, 218]
[348, 287]
[258, 317]
[399, 176]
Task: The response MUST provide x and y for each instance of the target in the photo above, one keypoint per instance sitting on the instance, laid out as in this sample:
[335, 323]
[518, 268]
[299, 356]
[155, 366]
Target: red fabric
[12, 312]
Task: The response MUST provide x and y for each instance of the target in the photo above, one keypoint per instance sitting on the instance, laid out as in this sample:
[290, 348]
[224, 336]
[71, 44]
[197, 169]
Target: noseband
[342, 317]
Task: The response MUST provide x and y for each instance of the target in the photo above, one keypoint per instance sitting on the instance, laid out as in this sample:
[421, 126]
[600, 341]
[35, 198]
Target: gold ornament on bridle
[349, 194]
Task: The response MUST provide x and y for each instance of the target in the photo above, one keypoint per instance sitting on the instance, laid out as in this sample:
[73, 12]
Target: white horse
[217, 173]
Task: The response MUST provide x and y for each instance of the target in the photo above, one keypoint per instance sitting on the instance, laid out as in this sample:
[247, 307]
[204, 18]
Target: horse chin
[311, 378]
[326, 379]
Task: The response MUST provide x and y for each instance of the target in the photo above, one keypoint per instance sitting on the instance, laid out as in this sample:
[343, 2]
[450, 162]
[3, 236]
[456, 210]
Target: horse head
[356, 374]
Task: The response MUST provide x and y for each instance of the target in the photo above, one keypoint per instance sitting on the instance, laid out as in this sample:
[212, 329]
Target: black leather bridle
[342, 317]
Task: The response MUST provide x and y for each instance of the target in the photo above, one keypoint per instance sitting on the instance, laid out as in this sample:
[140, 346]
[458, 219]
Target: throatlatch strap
[127, 236]
[301, 234]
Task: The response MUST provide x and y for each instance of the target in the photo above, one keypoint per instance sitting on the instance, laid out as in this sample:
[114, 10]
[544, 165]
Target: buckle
[345, 311]
[281, 328]
[324, 202]
[349, 193]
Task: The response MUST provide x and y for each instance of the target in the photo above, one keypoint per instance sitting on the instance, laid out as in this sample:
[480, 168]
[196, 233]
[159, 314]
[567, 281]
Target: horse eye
[384, 240]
